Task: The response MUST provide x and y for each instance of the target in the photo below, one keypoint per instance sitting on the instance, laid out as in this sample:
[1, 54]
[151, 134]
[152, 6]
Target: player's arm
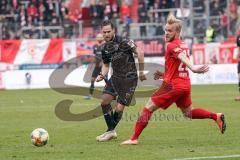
[140, 54]
[238, 56]
[104, 72]
[195, 69]
[94, 54]
[105, 67]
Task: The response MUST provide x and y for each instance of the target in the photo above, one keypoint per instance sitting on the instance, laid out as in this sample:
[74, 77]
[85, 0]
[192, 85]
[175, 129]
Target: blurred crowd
[54, 18]
[28, 19]
[224, 18]
[125, 12]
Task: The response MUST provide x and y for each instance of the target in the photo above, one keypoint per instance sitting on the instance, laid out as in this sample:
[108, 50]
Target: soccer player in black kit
[97, 51]
[238, 67]
[119, 52]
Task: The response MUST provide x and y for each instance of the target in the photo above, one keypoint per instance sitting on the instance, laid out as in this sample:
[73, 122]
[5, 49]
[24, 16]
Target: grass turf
[168, 136]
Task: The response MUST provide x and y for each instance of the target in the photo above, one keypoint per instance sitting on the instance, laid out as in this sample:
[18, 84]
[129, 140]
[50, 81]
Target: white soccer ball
[39, 137]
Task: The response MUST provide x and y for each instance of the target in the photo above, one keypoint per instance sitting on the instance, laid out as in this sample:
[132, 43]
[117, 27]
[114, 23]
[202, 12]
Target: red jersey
[176, 72]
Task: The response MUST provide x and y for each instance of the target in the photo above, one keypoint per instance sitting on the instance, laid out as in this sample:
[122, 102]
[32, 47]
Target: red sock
[200, 113]
[141, 123]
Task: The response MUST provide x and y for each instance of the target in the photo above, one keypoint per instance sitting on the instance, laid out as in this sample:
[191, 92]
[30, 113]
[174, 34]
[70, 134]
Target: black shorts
[122, 89]
[238, 69]
[96, 71]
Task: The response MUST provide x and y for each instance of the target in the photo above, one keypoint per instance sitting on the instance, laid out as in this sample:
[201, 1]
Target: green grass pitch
[21, 111]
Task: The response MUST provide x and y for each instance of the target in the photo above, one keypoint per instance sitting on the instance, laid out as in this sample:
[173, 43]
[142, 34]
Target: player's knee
[93, 79]
[151, 106]
[187, 112]
[106, 99]
[104, 102]
[119, 108]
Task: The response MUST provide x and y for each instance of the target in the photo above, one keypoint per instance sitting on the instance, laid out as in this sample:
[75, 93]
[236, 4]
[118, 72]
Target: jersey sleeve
[131, 44]
[127, 44]
[94, 49]
[238, 41]
[174, 49]
[106, 55]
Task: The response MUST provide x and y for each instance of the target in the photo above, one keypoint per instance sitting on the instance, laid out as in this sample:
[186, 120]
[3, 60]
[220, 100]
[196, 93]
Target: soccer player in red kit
[176, 87]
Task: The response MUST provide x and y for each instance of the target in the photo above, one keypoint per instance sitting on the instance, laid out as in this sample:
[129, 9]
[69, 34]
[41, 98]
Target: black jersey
[97, 51]
[238, 40]
[119, 52]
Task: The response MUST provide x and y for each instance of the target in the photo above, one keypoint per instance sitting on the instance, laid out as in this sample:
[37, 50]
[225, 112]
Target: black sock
[239, 86]
[117, 116]
[108, 116]
[91, 89]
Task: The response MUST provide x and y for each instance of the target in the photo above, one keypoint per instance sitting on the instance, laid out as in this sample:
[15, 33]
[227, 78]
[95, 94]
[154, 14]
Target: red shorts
[166, 95]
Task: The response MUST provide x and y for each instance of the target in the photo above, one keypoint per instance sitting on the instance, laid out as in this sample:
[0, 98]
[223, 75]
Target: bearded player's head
[172, 28]
[108, 30]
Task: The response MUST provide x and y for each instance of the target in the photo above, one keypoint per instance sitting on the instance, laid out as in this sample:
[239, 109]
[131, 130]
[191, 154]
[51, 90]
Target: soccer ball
[39, 137]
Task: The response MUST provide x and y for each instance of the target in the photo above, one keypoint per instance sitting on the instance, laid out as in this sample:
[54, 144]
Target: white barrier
[40, 79]
[2, 86]
[218, 74]
[16, 79]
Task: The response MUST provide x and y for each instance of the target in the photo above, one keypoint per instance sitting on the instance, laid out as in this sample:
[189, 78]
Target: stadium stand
[134, 18]
[46, 34]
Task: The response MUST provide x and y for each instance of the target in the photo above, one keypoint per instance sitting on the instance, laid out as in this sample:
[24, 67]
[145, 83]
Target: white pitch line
[210, 157]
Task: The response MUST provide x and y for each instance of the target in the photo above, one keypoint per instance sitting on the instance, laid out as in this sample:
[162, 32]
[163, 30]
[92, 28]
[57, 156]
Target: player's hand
[158, 75]
[142, 76]
[99, 78]
[200, 69]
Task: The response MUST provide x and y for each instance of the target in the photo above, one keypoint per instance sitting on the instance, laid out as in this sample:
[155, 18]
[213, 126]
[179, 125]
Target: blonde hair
[171, 19]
